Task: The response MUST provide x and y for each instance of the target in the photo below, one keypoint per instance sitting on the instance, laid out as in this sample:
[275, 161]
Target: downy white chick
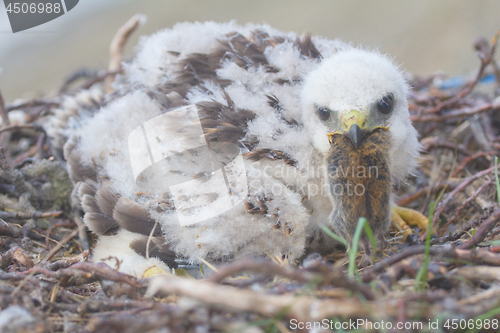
[220, 141]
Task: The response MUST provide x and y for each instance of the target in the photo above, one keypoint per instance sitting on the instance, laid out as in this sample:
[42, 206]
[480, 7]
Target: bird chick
[348, 101]
[259, 112]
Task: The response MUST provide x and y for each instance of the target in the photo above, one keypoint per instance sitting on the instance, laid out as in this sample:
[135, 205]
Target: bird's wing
[244, 84]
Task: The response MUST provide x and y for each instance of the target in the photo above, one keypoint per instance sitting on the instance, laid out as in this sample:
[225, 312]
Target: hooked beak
[356, 134]
[353, 126]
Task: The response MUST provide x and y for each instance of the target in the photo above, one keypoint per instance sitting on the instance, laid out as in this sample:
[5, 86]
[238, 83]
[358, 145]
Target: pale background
[426, 36]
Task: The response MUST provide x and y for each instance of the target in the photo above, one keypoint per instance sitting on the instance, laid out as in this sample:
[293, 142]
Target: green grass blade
[336, 237]
[201, 270]
[418, 279]
[372, 239]
[354, 249]
[421, 278]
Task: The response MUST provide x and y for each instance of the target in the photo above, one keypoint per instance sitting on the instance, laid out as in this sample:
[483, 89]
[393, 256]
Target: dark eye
[386, 104]
[324, 113]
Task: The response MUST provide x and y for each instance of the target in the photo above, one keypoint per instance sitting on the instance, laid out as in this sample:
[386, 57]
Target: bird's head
[354, 92]
[356, 112]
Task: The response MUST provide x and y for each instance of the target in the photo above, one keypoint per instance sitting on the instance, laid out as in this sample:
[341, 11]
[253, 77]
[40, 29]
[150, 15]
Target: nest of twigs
[443, 282]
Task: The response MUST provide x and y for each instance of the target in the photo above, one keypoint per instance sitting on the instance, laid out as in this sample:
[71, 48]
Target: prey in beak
[359, 176]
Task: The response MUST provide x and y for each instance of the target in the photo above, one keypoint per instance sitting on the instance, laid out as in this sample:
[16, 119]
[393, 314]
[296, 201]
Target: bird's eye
[324, 113]
[386, 104]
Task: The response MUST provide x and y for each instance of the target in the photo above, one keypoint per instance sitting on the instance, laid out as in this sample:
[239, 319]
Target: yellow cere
[353, 117]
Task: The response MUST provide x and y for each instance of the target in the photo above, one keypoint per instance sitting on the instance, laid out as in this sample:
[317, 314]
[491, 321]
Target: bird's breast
[360, 180]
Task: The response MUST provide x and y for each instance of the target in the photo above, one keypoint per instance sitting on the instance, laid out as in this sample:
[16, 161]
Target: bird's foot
[402, 218]
[154, 271]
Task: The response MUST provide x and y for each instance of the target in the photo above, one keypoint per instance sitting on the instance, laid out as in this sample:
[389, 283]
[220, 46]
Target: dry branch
[462, 206]
[442, 206]
[486, 57]
[4, 138]
[117, 46]
[25, 216]
[483, 273]
[323, 275]
[482, 230]
[303, 308]
[84, 273]
[443, 252]
[457, 234]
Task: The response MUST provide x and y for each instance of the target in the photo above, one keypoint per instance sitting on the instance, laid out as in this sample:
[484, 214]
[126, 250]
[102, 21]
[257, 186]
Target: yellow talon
[154, 271]
[402, 218]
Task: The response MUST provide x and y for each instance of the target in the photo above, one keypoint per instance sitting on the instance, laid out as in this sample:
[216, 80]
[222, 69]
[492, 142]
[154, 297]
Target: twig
[35, 127]
[464, 112]
[459, 188]
[39, 146]
[76, 75]
[66, 262]
[7, 229]
[462, 206]
[431, 144]
[90, 306]
[117, 46]
[44, 260]
[82, 273]
[485, 61]
[303, 308]
[3, 111]
[33, 103]
[406, 200]
[448, 252]
[4, 138]
[59, 246]
[371, 272]
[98, 78]
[64, 223]
[458, 234]
[481, 303]
[25, 158]
[468, 159]
[82, 230]
[263, 267]
[325, 275]
[25, 216]
[482, 230]
[477, 257]
[104, 272]
[483, 273]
